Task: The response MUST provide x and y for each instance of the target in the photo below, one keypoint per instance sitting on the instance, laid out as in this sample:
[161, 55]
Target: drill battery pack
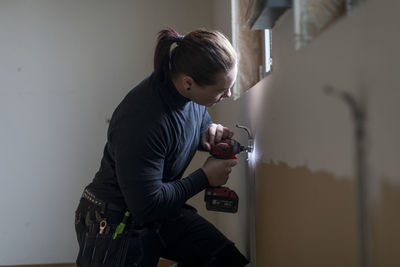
[221, 199]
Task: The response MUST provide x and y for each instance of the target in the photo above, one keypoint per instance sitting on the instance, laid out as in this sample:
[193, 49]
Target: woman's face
[211, 94]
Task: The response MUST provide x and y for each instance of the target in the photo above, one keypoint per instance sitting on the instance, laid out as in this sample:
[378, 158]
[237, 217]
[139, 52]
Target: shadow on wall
[309, 218]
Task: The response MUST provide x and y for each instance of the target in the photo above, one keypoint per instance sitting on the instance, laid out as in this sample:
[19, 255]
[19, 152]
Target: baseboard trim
[44, 265]
[162, 263]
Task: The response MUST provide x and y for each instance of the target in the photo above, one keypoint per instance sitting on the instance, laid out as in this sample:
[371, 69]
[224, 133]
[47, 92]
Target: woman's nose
[228, 93]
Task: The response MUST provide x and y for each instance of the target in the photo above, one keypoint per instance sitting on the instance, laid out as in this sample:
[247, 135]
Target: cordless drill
[222, 198]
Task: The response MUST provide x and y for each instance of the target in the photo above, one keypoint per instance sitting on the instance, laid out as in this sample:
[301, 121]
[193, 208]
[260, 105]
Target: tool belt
[102, 241]
[89, 196]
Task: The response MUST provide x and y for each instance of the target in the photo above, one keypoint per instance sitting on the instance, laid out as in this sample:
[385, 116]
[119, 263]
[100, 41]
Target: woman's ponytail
[162, 54]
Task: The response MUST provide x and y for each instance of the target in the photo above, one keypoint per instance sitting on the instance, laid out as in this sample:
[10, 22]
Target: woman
[134, 210]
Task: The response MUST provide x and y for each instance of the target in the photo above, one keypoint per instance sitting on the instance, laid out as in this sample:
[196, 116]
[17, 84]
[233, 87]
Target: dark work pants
[188, 239]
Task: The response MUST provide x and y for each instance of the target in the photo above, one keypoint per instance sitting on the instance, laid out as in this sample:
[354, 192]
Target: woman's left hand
[214, 134]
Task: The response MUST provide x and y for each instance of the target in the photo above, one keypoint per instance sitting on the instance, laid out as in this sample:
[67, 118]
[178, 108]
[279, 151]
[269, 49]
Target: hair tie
[179, 39]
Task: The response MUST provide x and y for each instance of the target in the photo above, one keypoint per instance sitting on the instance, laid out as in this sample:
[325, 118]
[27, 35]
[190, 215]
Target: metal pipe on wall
[251, 195]
[364, 217]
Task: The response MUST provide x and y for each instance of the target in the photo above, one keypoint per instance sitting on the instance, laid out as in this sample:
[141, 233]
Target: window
[252, 21]
[248, 43]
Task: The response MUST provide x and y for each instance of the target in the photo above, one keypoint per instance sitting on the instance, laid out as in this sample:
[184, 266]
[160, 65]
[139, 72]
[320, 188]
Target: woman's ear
[187, 82]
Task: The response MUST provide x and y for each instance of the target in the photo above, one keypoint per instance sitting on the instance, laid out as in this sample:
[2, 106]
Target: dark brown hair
[201, 54]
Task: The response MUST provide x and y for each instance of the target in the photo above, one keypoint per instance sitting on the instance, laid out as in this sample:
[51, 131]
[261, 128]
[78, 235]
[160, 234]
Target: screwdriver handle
[121, 227]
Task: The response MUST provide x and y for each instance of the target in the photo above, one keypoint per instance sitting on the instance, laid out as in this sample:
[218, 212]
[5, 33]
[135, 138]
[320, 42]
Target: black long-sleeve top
[152, 137]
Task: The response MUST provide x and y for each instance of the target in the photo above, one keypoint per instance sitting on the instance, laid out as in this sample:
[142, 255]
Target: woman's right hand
[218, 170]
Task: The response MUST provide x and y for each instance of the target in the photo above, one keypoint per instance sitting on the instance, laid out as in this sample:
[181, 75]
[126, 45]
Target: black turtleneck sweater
[153, 135]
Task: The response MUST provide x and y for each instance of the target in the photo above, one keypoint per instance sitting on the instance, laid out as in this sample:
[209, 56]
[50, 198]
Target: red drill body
[222, 198]
[226, 149]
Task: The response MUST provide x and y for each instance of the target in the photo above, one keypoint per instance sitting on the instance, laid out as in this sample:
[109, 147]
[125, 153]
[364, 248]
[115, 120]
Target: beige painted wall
[305, 169]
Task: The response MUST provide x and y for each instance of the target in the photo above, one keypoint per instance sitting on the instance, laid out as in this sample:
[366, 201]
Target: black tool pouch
[101, 250]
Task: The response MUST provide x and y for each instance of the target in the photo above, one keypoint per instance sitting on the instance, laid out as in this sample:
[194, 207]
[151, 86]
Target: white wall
[298, 123]
[64, 66]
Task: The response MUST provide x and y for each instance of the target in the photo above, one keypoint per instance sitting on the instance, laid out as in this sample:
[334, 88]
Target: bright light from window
[267, 52]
